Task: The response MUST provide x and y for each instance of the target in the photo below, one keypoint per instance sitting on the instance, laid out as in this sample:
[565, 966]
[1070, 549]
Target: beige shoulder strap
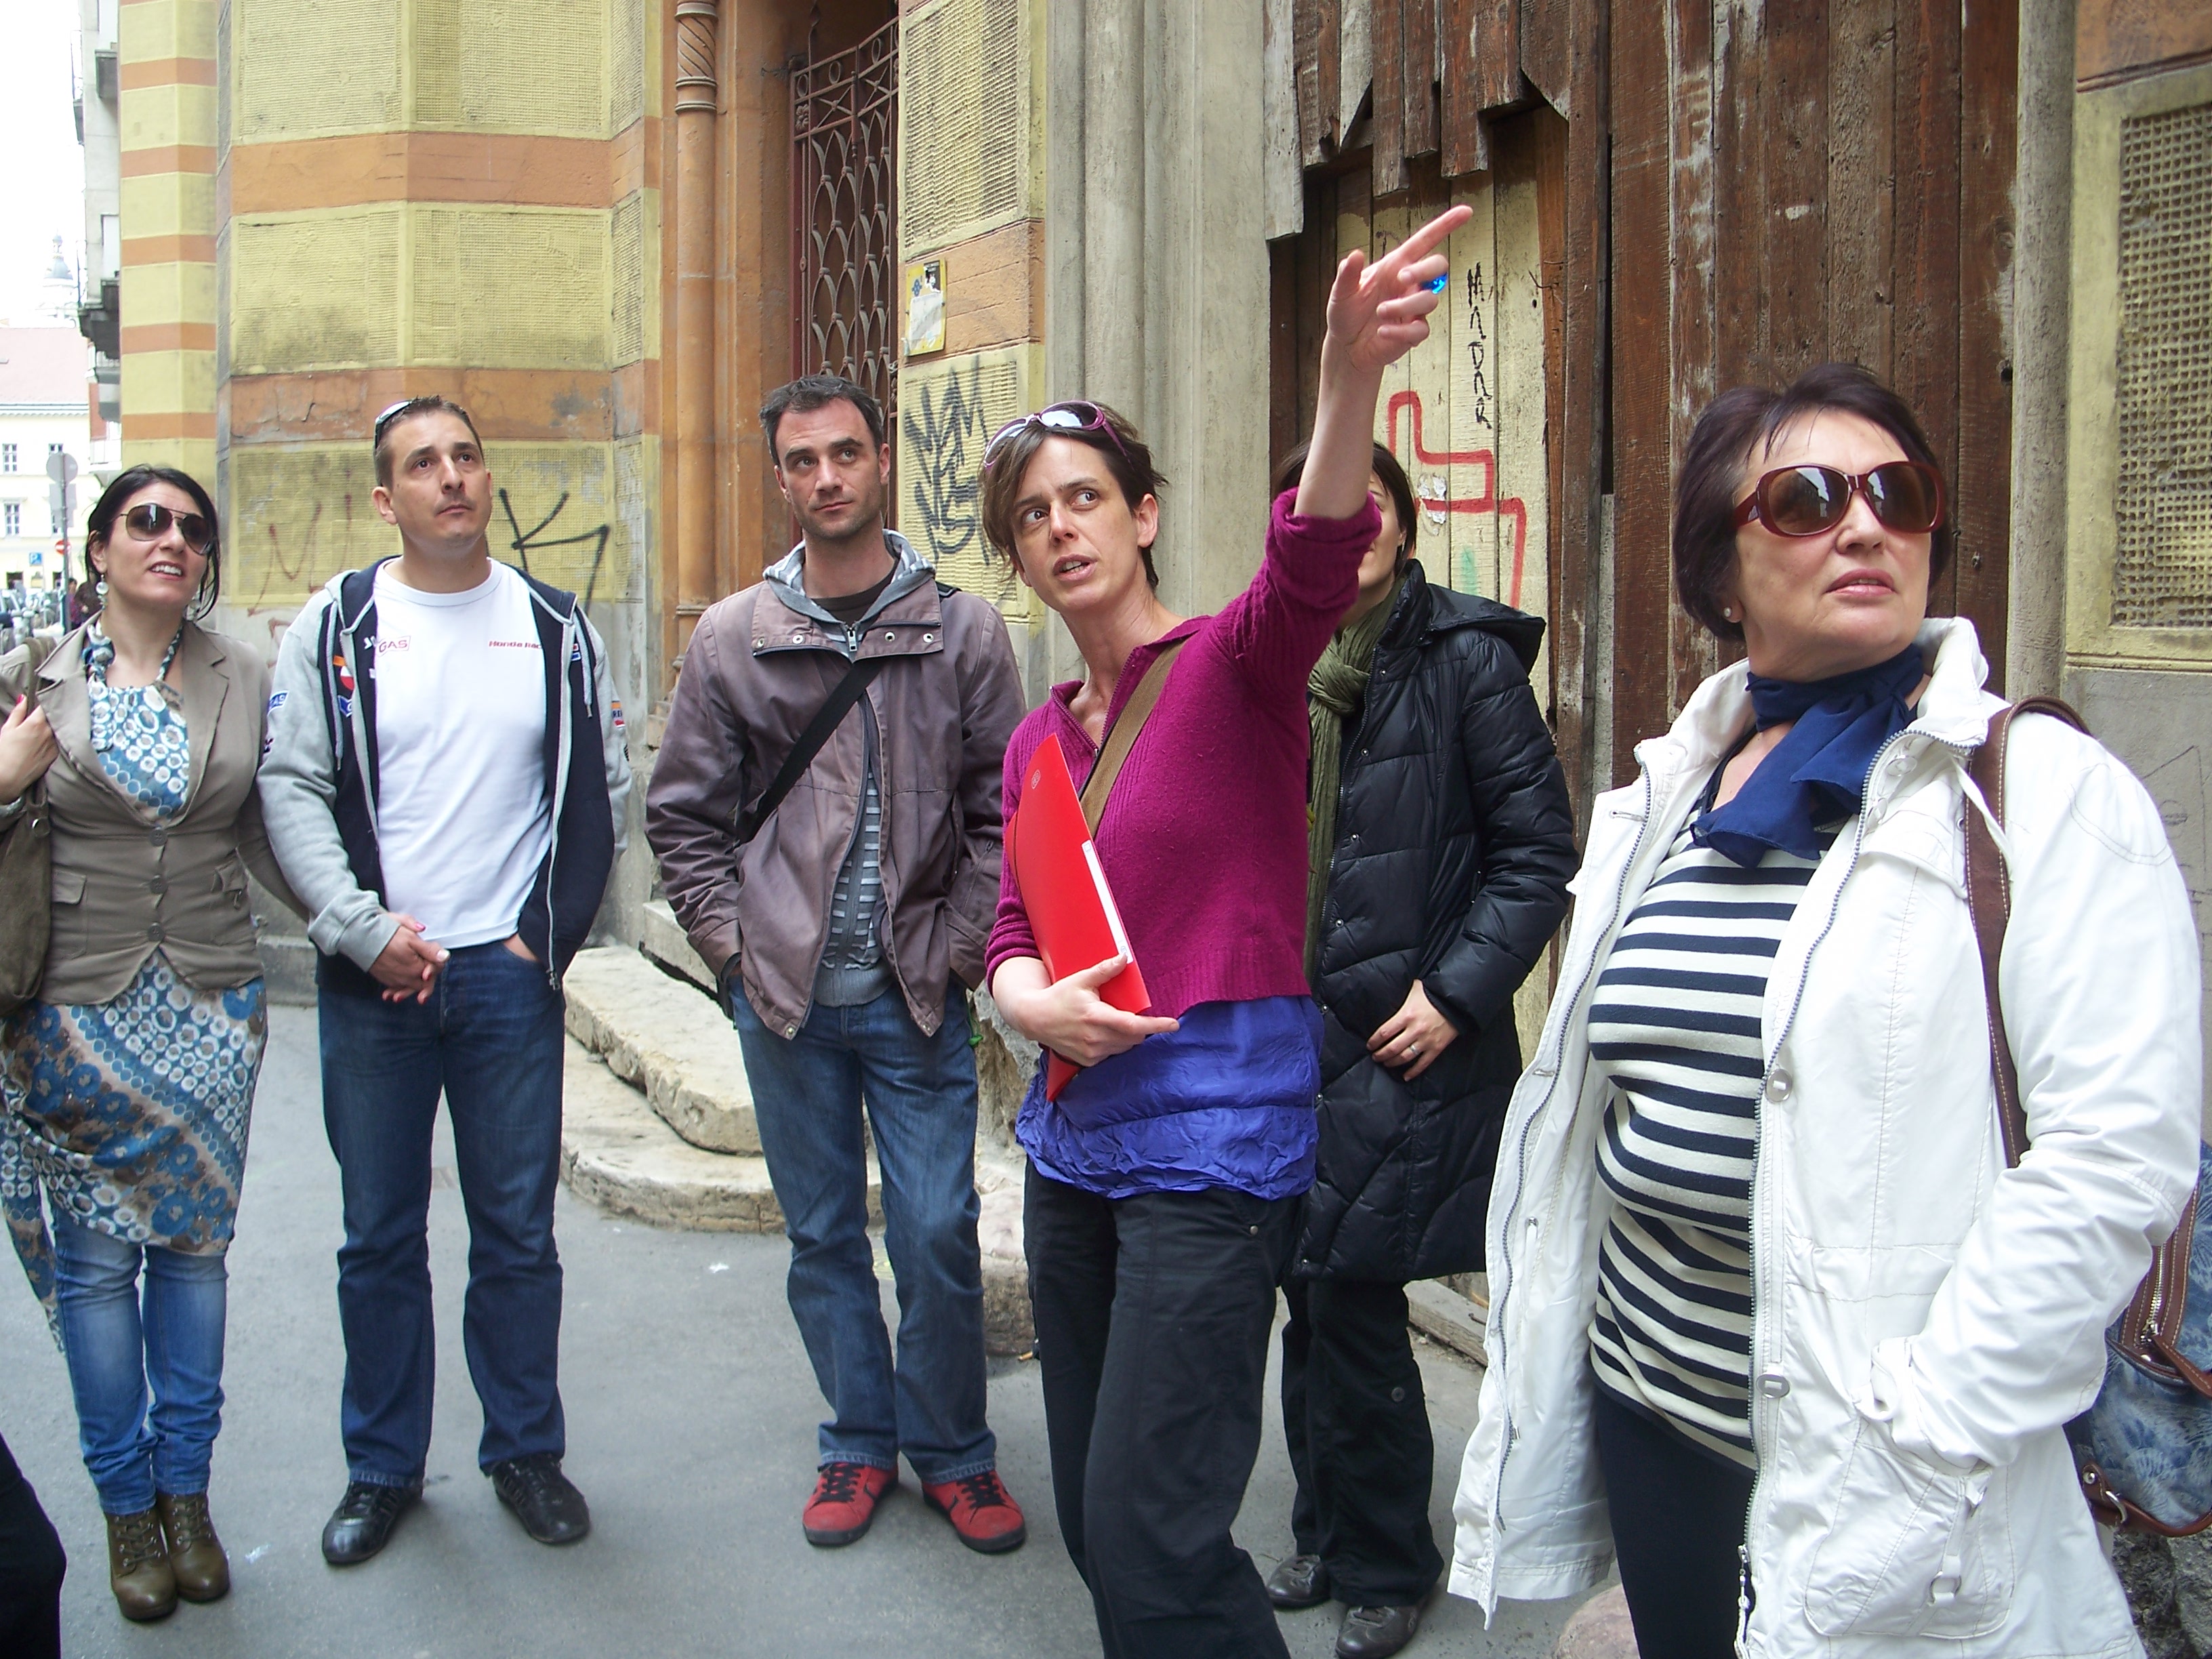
[1127, 726]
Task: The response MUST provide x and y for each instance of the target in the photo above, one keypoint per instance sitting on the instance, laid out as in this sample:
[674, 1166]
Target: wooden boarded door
[1804, 184]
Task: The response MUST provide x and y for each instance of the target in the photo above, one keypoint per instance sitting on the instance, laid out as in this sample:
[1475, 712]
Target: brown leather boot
[195, 1552]
[138, 1569]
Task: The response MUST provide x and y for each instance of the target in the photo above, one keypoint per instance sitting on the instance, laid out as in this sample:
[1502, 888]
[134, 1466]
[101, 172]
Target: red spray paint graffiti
[1511, 507]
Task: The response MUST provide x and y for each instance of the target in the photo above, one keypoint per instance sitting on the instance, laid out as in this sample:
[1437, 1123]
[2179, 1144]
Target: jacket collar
[199, 679]
[1425, 611]
[785, 619]
[787, 576]
[1954, 711]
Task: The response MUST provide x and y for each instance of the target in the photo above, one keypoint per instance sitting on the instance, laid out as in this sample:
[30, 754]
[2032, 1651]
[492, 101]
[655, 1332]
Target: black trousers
[1678, 1521]
[1357, 1426]
[1153, 1315]
[32, 1564]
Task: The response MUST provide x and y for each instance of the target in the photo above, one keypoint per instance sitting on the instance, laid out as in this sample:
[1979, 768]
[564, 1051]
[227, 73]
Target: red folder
[1071, 909]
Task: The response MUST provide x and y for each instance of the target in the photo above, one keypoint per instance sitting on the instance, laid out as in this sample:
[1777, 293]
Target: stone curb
[676, 1047]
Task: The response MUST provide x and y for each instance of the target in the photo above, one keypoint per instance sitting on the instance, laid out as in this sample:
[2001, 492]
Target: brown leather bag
[2147, 1332]
[26, 878]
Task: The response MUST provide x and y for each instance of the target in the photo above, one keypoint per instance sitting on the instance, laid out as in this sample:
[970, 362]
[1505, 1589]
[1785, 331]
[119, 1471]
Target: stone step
[618, 1154]
[659, 1034]
[1449, 1317]
[661, 936]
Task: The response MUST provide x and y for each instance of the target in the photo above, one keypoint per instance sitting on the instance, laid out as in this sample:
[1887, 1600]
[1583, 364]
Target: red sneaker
[982, 1511]
[844, 1502]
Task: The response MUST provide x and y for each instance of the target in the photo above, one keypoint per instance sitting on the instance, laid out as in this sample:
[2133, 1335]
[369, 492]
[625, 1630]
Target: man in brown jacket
[841, 906]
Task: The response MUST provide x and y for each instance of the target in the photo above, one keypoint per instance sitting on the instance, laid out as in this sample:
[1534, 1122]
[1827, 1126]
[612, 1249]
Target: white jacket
[1926, 1320]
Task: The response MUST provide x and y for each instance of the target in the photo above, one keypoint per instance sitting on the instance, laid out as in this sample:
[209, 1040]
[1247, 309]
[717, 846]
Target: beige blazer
[126, 887]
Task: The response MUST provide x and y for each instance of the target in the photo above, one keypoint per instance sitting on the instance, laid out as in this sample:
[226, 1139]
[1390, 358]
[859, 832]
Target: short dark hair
[812, 392]
[1130, 461]
[1748, 417]
[428, 403]
[100, 525]
[1292, 467]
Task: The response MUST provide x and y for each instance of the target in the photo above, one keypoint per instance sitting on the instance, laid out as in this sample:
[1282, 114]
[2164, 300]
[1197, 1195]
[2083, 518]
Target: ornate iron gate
[844, 135]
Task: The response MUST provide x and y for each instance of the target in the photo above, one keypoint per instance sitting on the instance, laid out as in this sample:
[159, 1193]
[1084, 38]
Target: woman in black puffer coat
[1438, 886]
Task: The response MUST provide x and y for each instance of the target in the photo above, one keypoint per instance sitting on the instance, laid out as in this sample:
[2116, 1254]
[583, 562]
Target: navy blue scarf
[1818, 773]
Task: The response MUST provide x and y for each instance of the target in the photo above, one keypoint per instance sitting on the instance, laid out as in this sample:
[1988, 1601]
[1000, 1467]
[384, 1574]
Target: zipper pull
[1743, 1597]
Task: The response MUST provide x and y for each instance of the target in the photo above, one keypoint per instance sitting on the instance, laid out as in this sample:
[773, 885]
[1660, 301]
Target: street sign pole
[62, 469]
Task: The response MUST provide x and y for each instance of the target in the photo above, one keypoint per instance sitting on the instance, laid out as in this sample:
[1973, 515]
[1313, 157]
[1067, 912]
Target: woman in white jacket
[1773, 1323]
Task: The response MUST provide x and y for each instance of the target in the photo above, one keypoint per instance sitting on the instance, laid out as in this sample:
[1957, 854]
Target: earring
[100, 587]
[1727, 613]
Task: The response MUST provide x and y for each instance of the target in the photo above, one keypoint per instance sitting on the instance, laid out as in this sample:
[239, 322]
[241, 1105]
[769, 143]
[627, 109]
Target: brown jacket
[126, 887]
[755, 673]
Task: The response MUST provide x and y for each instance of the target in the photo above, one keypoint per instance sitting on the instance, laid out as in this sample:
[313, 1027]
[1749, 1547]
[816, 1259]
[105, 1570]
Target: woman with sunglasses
[1164, 1178]
[1764, 1289]
[129, 1078]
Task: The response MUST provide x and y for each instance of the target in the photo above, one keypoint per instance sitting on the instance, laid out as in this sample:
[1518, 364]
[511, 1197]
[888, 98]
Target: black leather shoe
[1298, 1581]
[362, 1523]
[543, 1500]
[1376, 1632]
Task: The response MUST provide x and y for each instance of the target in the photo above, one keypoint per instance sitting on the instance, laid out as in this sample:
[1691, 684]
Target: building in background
[609, 226]
[99, 109]
[42, 412]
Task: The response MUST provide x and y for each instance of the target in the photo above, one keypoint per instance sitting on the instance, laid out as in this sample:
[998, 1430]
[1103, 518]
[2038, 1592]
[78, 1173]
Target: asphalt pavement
[691, 1415]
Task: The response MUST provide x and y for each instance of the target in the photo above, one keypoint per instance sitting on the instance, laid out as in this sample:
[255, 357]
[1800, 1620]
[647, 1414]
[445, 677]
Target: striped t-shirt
[1674, 1025]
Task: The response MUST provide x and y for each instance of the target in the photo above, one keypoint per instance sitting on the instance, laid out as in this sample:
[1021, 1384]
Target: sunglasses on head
[1906, 496]
[402, 409]
[149, 522]
[1074, 415]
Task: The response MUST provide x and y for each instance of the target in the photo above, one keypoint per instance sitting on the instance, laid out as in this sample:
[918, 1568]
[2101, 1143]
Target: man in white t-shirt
[445, 782]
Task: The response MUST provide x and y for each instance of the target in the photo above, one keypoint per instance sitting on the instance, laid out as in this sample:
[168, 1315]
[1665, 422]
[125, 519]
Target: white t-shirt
[463, 822]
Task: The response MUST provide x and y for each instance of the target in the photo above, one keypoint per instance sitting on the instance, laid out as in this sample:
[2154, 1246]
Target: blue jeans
[117, 1344]
[921, 1100]
[489, 1040]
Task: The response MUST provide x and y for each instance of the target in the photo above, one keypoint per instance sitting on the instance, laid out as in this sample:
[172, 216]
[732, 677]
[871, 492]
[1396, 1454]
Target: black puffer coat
[1454, 841]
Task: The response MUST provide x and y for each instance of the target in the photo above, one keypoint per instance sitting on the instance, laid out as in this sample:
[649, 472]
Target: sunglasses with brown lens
[149, 521]
[1906, 496]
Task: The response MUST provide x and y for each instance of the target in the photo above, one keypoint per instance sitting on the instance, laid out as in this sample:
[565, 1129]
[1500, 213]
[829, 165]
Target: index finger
[1425, 241]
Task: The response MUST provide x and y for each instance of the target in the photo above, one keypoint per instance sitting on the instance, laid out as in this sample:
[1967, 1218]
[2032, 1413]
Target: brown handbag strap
[1127, 727]
[1989, 898]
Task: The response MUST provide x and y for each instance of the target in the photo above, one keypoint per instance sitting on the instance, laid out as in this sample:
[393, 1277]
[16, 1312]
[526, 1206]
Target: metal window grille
[2162, 565]
[844, 135]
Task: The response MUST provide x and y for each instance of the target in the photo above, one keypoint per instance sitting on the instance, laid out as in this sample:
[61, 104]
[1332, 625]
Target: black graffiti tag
[944, 432]
[1478, 346]
[534, 538]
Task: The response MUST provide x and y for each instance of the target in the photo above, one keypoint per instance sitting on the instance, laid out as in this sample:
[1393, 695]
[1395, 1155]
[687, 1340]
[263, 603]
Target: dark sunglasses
[1074, 415]
[1906, 496]
[148, 522]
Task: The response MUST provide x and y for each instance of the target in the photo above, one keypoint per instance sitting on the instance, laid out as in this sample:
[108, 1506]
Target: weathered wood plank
[1545, 57]
[1355, 43]
[1388, 167]
[1466, 146]
[1925, 359]
[1690, 383]
[1282, 330]
[1795, 96]
[1988, 97]
[1741, 356]
[1496, 31]
[1328, 72]
[1418, 76]
[1641, 348]
[1861, 185]
[1305, 49]
[1586, 240]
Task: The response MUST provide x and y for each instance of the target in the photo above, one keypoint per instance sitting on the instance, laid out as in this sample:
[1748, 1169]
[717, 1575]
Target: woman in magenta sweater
[1163, 1182]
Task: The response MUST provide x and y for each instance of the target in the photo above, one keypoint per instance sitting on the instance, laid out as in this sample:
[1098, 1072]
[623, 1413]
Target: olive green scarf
[1334, 691]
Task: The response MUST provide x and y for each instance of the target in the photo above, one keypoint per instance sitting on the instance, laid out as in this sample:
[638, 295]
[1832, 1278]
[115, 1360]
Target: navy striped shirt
[1675, 1026]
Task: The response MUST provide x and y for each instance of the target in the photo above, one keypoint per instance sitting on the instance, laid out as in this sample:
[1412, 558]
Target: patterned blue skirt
[129, 1116]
